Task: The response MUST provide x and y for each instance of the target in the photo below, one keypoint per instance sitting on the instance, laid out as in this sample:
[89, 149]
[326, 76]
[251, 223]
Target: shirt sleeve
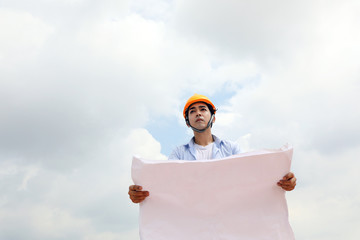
[236, 148]
[174, 155]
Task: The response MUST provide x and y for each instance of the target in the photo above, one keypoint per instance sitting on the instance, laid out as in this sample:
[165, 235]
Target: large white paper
[234, 198]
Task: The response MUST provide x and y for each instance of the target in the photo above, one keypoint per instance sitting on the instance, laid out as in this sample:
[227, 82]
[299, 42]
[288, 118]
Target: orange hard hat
[198, 98]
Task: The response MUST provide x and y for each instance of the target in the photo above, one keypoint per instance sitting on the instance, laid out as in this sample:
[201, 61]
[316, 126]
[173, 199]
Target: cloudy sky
[85, 84]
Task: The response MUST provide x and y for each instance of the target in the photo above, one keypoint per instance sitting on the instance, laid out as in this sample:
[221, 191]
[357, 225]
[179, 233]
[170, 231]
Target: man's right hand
[136, 195]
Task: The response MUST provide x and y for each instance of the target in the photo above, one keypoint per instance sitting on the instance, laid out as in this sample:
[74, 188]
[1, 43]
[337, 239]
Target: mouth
[198, 120]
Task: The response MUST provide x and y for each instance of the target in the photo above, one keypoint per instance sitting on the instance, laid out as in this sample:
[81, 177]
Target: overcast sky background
[85, 84]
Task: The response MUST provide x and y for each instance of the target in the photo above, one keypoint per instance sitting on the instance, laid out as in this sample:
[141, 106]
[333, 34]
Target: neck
[204, 138]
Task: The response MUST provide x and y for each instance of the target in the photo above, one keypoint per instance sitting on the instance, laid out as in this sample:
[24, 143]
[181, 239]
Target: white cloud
[325, 194]
[256, 29]
[88, 202]
[144, 144]
[30, 173]
[23, 37]
[128, 235]
[160, 10]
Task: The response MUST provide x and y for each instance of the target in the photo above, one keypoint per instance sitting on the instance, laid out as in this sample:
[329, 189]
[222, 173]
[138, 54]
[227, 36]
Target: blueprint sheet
[234, 198]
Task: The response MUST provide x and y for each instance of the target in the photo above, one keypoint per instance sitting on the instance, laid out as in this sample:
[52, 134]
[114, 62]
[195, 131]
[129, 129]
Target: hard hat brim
[195, 99]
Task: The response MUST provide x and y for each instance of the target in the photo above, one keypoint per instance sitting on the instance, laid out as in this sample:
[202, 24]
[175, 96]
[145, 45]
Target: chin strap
[203, 130]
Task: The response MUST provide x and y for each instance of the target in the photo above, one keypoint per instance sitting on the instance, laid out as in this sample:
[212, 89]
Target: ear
[213, 119]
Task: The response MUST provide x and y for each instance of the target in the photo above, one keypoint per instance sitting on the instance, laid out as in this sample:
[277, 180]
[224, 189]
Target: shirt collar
[217, 142]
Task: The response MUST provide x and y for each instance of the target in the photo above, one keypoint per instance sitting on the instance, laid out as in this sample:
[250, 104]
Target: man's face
[199, 115]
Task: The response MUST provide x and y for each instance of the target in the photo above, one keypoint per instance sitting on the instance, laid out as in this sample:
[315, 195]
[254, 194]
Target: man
[199, 113]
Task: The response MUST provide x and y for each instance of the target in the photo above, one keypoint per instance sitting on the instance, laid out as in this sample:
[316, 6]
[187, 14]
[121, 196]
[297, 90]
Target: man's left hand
[288, 182]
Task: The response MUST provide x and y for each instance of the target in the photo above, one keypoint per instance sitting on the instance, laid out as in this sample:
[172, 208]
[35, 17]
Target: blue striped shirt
[221, 149]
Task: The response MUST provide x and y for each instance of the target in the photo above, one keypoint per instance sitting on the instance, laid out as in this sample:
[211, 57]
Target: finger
[138, 201]
[288, 188]
[138, 197]
[285, 186]
[135, 201]
[292, 180]
[280, 184]
[284, 182]
[135, 188]
[288, 176]
[139, 194]
[287, 183]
